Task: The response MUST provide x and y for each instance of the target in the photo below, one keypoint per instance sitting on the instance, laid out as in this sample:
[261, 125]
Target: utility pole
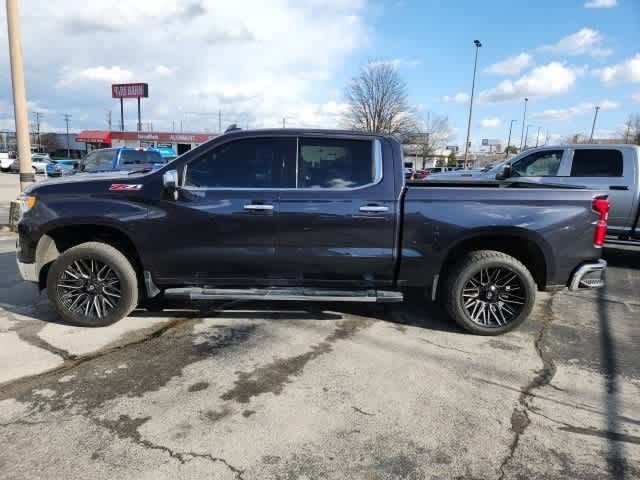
[478, 44]
[509, 141]
[283, 122]
[219, 121]
[526, 137]
[524, 120]
[19, 94]
[538, 136]
[109, 119]
[593, 127]
[67, 119]
[38, 116]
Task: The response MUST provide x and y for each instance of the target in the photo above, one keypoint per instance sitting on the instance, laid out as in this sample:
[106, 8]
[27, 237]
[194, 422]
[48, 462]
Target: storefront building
[180, 142]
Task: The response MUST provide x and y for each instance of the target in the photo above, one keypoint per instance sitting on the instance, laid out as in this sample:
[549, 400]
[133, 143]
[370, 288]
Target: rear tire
[489, 292]
[92, 285]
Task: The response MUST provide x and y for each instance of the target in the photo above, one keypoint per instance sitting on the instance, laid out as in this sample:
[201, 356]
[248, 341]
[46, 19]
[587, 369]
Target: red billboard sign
[130, 90]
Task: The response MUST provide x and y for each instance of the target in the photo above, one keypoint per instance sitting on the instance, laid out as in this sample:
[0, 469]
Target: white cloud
[102, 74]
[490, 122]
[584, 108]
[459, 97]
[584, 42]
[628, 71]
[636, 97]
[552, 79]
[164, 71]
[601, 3]
[512, 65]
[250, 58]
[396, 62]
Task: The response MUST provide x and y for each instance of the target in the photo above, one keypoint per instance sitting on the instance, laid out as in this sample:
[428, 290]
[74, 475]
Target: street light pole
[478, 44]
[524, 119]
[526, 137]
[538, 136]
[593, 127]
[19, 94]
[509, 141]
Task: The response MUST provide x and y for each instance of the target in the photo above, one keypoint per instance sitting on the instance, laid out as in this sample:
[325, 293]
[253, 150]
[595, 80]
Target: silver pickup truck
[613, 168]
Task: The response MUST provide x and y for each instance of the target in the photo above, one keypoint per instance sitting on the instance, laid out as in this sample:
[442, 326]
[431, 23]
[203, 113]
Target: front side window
[539, 164]
[99, 160]
[248, 163]
[335, 163]
[596, 163]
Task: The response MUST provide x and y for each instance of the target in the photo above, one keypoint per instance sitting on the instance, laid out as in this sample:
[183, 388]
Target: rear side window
[336, 163]
[139, 157]
[596, 163]
[248, 163]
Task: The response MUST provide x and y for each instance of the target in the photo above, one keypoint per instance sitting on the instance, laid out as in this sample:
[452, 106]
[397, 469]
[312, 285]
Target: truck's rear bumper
[588, 275]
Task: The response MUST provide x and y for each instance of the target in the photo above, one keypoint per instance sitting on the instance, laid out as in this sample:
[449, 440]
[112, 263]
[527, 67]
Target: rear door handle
[618, 187]
[373, 208]
[258, 207]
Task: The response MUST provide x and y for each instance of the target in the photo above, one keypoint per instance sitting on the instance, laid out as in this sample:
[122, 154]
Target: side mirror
[506, 172]
[170, 180]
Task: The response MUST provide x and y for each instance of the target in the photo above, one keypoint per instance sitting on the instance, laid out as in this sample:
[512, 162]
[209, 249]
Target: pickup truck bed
[311, 215]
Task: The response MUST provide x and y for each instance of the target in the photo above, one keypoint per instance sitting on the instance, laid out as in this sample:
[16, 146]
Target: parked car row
[102, 160]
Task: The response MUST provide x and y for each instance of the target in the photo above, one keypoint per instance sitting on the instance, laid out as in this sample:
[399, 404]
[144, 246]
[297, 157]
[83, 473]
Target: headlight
[27, 202]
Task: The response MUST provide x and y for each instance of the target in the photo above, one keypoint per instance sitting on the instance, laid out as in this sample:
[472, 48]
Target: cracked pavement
[290, 391]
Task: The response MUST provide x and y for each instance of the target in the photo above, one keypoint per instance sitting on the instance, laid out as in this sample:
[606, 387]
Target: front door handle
[374, 208]
[618, 187]
[258, 207]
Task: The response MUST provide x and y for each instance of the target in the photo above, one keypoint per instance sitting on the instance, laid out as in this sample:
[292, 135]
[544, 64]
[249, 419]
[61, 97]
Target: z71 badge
[125, 187]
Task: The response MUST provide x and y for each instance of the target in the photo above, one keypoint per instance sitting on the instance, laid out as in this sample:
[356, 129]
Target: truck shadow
[23, 298]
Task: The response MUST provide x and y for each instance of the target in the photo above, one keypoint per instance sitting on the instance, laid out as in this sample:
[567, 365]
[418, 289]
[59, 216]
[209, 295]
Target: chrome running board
[287, 294]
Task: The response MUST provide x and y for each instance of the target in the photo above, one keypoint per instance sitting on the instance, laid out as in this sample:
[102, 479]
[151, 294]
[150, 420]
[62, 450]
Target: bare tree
[631, 133]
[431, 135]
[378, 101]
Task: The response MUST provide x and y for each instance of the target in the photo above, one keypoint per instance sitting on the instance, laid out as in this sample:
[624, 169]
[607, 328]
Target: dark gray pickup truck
[306, 215]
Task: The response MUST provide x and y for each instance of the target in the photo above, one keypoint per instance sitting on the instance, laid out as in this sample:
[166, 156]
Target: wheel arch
[526, 246]
[60, 238]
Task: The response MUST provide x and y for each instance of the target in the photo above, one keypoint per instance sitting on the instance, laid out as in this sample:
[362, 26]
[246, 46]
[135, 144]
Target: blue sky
[260, 61]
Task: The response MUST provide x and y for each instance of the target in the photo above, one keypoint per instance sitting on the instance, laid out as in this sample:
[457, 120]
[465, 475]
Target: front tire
[92, 285]
[489, 292]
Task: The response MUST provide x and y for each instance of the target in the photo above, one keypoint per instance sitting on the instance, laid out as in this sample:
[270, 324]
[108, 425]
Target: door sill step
[288, 294]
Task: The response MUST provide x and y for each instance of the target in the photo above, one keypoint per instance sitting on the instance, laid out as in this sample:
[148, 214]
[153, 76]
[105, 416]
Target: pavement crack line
[73, 361]
[362, 412]
[520, 416]
[126, 428]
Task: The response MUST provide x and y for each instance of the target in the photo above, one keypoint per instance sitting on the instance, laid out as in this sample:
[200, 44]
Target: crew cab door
[610, 170]
[221, 230]
[337, 227]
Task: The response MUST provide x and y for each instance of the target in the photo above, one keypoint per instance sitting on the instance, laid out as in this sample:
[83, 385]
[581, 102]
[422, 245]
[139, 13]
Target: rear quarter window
[597, 163]
[137, 157]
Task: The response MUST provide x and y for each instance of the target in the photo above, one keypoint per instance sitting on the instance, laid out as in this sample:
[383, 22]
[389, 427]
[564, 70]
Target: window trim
[376, 155]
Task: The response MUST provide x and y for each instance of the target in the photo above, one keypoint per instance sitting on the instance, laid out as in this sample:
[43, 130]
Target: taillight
[601, 205]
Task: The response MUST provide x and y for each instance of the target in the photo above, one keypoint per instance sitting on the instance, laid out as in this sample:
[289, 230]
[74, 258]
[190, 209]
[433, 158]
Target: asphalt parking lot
[295, 391]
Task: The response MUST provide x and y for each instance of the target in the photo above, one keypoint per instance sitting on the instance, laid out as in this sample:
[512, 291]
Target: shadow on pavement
[615, 456]
[17, 295]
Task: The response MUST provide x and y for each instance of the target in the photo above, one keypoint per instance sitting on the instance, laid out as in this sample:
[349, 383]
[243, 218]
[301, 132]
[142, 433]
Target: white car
[39, 162]
[5, 161]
